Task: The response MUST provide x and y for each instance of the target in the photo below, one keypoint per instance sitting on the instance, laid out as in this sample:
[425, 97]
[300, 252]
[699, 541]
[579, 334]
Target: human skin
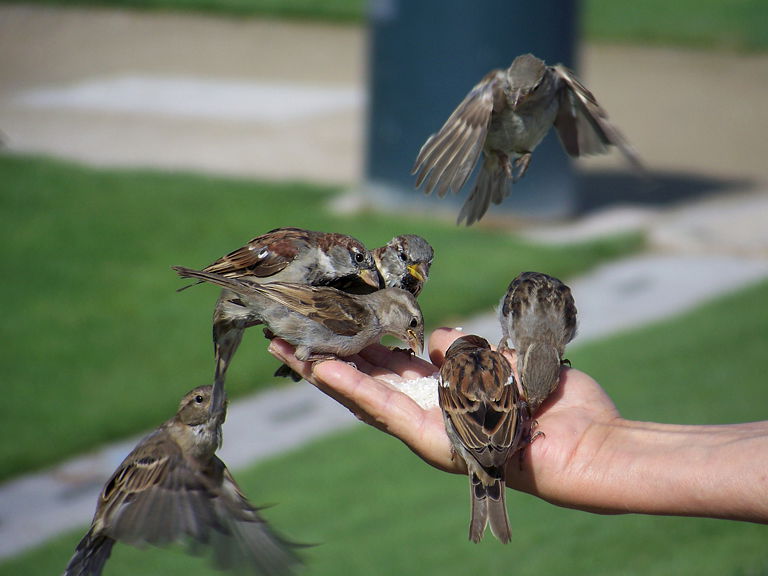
[589, 458]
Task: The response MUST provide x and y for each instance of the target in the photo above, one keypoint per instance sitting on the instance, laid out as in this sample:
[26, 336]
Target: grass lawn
[719, 24]
[97, 343]
[377, 509]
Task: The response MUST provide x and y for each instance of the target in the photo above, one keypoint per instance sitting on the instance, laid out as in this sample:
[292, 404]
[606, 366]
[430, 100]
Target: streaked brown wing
[446, 159]
[340, 312]
[263, 256]
[156, 497]
[583, 125]
[481, 397]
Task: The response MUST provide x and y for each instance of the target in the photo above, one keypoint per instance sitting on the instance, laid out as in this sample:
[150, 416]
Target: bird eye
[359, 258]
[199, 399]
[414, 323]
[403, 257]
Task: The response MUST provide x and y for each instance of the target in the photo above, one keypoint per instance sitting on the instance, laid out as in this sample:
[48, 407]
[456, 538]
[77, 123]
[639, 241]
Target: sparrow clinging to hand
[505, 117]
[481, 410]
[281, 255]
[323, 322]
[538, 319]
[173, 488]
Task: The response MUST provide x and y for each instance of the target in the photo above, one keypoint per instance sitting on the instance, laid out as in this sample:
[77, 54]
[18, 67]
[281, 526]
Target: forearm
[712, 471]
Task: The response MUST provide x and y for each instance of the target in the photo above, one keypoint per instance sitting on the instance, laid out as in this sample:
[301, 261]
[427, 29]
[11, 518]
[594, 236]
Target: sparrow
[481, 410]
[505, 117]
[173, 488]
[403, 262]
[538, 317]
[281, 255]
[322, 322]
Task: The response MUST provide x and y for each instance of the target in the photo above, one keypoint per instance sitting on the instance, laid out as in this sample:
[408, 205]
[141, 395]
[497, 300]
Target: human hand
[575, 419]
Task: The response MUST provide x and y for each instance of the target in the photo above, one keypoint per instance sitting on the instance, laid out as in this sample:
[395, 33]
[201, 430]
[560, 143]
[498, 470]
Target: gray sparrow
[484, 421]
[323, 322]
[505, 117]
[538, 319]
[173, 488]
[281, 255]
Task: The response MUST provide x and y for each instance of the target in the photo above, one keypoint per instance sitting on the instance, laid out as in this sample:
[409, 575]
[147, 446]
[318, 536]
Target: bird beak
[370, 277]
[415, 341]
[417, 271]
[520, 96]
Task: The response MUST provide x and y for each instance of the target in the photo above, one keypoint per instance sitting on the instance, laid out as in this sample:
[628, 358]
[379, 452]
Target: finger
[439, 341]
[400, 362]
[284, 352]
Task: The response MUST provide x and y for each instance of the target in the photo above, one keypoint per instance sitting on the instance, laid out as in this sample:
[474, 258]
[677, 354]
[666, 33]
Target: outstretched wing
[447, 158]
[583, 125]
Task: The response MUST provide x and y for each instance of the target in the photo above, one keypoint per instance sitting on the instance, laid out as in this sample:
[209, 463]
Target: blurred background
[135, 135]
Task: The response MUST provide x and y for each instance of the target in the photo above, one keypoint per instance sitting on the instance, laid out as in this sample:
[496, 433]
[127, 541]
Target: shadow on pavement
[604, 189]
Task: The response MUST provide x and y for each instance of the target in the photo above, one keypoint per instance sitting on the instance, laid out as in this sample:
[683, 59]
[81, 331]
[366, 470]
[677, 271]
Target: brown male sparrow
[323, 322]
[173, 488]
[483, 419]
[538, 318]
[403, 262]
[281, 255]
[505, 117]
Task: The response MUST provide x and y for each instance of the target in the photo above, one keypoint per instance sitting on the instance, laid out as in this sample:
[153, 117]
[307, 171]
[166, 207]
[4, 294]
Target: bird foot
[521, 165]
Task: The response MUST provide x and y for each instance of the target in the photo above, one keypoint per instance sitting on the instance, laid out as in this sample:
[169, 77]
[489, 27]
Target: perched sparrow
[480, 404]
[281, 255]
[505, 117]
[403, 262]
[538, 318]
[173, 488]
[322, 322]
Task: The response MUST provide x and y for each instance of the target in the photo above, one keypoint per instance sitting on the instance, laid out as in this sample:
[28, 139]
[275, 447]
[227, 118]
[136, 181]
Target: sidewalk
[251, 116]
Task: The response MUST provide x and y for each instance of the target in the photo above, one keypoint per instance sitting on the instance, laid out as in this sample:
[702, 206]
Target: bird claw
[408, 351]
[521, 165]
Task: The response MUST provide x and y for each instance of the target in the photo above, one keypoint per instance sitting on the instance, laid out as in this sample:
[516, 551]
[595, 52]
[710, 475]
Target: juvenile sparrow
[403, 262]
[505, 117]
[173, 488]
[481, 410]
[281, 255]
[538, 318]
[323, 322]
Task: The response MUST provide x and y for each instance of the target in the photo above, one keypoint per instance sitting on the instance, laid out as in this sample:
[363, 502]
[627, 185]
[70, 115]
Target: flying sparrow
[323, 322]
[173, 488]
[505, 117]
[481, 410]
[538, 318]
[403, 262]
[281, 255]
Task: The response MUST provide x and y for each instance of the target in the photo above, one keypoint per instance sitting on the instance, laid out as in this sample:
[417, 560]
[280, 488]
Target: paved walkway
[250, 116]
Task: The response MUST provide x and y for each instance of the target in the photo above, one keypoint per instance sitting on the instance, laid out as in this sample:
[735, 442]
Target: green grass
[97, 344]
[712, 24]
[719, 24]
[375, 508]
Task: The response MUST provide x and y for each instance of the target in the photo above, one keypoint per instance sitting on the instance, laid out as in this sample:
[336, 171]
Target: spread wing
[339, 312]
[583, 125]
[155, 497]
[447, 158]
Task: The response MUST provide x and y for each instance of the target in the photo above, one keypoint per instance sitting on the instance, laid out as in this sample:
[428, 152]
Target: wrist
[624, 466]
